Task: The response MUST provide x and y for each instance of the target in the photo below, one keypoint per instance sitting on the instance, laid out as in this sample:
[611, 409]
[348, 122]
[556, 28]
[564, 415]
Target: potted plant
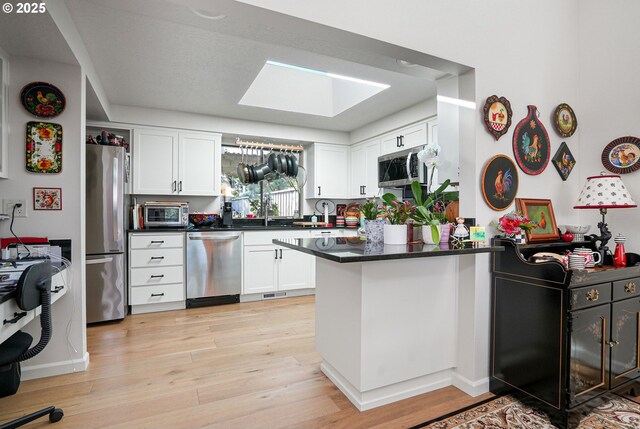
[397, 213]
[426, 214]
[373, 220]
[514, 225]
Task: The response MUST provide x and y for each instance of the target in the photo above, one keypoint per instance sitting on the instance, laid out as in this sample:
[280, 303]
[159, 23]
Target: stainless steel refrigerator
[105, 233]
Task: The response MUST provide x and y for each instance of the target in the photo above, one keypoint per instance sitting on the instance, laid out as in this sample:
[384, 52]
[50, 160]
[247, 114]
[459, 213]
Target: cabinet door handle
[397, 141]
[157, 294]
[401, 141]
[180, 186]
[173, 186]
[276, 250]
[157, 257]
[16, 317]
[592, 295]
[364, 189]
[280, 253]
[157, 276]
[319, 191]
[630, 287]
[613, 343]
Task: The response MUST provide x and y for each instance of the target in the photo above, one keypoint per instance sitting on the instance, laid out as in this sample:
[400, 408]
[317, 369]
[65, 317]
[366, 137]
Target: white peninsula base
[388, 330]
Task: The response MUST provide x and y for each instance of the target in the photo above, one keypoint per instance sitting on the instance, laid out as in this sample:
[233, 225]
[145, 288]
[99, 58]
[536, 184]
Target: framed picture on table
[541, 212]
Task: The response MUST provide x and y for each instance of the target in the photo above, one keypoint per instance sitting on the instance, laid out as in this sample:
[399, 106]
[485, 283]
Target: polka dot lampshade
[604, 192]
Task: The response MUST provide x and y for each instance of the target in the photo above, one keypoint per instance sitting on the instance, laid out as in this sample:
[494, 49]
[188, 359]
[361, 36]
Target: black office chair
[34, 289]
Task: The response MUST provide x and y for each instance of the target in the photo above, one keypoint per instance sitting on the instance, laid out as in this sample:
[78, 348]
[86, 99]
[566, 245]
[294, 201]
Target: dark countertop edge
[367, 258]
[243, 229]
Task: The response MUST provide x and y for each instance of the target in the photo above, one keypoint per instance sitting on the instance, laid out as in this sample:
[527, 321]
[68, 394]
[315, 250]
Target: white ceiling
[158, 54]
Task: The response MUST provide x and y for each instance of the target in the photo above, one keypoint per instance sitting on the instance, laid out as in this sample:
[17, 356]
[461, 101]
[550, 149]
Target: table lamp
[604, 192]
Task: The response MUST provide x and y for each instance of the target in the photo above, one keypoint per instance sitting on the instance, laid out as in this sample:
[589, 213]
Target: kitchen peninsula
[387, 322]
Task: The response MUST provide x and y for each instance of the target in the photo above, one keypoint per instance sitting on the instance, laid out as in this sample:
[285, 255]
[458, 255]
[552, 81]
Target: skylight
[292, 88]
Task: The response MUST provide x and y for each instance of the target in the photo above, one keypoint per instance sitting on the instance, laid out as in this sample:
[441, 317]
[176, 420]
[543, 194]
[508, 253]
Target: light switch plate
[20, 211]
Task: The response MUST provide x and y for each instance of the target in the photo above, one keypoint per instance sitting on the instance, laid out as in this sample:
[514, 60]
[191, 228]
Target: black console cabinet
[560, 338]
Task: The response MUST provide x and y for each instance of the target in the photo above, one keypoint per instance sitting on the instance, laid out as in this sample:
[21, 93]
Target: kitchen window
[280, 194]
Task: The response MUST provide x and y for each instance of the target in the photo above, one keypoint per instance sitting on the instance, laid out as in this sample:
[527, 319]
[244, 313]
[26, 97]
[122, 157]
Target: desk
[8, 306]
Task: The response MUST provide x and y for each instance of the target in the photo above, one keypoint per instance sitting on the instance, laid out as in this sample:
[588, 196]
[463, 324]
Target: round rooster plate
[42, 99]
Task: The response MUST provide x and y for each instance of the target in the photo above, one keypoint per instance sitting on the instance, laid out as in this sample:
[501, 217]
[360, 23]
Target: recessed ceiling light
[457, 102]
[202, 14]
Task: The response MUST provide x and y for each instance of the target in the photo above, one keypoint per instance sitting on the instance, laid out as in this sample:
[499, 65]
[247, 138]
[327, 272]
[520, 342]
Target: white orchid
[430, 155]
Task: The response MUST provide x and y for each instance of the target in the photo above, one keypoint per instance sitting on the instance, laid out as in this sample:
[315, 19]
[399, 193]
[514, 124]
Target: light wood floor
[250, 365]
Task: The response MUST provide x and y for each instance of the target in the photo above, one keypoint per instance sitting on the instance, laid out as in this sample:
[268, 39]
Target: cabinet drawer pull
[592, 295]
[319, 191]
[157, 257]
[157, 294]
[17, 316]
[613, 343]
[630, 287]
[157, 241]
[157, 276]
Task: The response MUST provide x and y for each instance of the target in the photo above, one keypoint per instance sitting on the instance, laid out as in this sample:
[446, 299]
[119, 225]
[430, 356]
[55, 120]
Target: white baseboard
[30, 372]
[471, 388]
[278, 295]
[385, 395]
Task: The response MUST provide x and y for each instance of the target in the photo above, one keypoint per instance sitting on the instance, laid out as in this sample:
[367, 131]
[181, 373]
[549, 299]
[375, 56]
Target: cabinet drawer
[7, 312]
[157, 294]
[626, 288]
[255, 238]
[156, 275]
[331, 232]
[156, 241]
[590, 295]
[155, 258]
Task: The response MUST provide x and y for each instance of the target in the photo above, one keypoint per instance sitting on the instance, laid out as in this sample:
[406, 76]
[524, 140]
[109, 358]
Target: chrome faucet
[266, 202]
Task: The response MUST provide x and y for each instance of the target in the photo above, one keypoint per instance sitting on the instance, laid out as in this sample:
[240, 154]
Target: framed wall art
[565, 120]
[42, 99]
[564, 161]
[44, 147]
[540, 212]
[531, 147]
[499, 182]
[497, 115]
[47, 198]
[622, 155]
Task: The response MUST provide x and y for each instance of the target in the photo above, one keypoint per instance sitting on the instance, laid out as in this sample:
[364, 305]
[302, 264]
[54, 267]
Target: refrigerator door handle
[116, 227]
[99, 261]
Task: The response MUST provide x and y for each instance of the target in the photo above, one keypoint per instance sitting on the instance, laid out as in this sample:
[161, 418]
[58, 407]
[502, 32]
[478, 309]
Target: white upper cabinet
[404, 138]
[172, 162]
[364, 169]
[327, 168]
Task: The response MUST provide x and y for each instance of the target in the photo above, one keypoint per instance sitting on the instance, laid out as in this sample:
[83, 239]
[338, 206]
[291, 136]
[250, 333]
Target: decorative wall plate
[44, 147]
[531, 147]
[497, 115]
[42, 99]
[499, 182]
[622, 155]
[565, 120]
[564, 161]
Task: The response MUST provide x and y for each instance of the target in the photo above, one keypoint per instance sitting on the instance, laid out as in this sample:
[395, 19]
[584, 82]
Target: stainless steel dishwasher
[214, 268]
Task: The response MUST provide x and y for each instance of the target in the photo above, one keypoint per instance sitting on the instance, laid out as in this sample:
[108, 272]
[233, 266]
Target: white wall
[525, 51]
[609, 92]
[67, 350]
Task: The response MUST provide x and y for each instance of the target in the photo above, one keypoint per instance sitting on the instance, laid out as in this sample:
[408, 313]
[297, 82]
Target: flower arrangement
[397, 212]
[513, 223]
[371, 209]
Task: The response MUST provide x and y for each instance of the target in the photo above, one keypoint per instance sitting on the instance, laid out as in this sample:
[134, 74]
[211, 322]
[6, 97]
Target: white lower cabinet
[270, 268]
[156, 272]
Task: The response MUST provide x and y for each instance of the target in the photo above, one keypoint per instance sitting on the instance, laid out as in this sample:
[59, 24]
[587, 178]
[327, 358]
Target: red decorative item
[531, 147]
[567, 236]
[620, 256]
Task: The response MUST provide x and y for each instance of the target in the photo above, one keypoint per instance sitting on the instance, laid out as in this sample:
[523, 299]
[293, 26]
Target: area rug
[506, 412]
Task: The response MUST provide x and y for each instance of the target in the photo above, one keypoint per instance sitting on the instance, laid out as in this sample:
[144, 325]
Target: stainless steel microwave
[166, 214]
[401, 168]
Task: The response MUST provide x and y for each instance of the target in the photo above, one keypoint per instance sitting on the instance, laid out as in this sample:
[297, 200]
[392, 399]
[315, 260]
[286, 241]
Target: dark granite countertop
[356, 249]
[237, 228]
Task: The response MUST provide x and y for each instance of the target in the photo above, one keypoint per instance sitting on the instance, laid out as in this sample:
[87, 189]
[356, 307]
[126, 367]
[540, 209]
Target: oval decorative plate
[622, 155]
[565, 120]
[42, 99]
[499, 182]
[497, 115]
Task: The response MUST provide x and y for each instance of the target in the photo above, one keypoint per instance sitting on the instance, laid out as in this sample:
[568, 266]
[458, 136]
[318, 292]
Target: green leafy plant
[397, 212]
[425, 213]
[371, 209]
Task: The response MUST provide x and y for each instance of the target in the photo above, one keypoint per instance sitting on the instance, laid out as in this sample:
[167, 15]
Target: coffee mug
[590, 256]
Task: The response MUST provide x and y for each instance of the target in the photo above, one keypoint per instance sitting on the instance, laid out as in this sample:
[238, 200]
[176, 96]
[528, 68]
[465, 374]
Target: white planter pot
[427, 236]
[395, 234]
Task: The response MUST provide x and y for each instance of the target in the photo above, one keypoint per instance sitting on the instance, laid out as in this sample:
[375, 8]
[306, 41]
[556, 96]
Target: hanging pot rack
[258, 145]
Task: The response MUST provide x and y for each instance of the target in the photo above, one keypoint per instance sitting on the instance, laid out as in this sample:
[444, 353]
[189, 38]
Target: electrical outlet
[20, 211]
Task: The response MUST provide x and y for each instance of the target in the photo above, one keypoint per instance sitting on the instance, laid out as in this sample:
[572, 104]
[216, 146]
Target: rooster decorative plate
[497, 115]
[622, 155]
[42, 99]
[565, 120]
[531, 146]
[499, 182]
[564, 161]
